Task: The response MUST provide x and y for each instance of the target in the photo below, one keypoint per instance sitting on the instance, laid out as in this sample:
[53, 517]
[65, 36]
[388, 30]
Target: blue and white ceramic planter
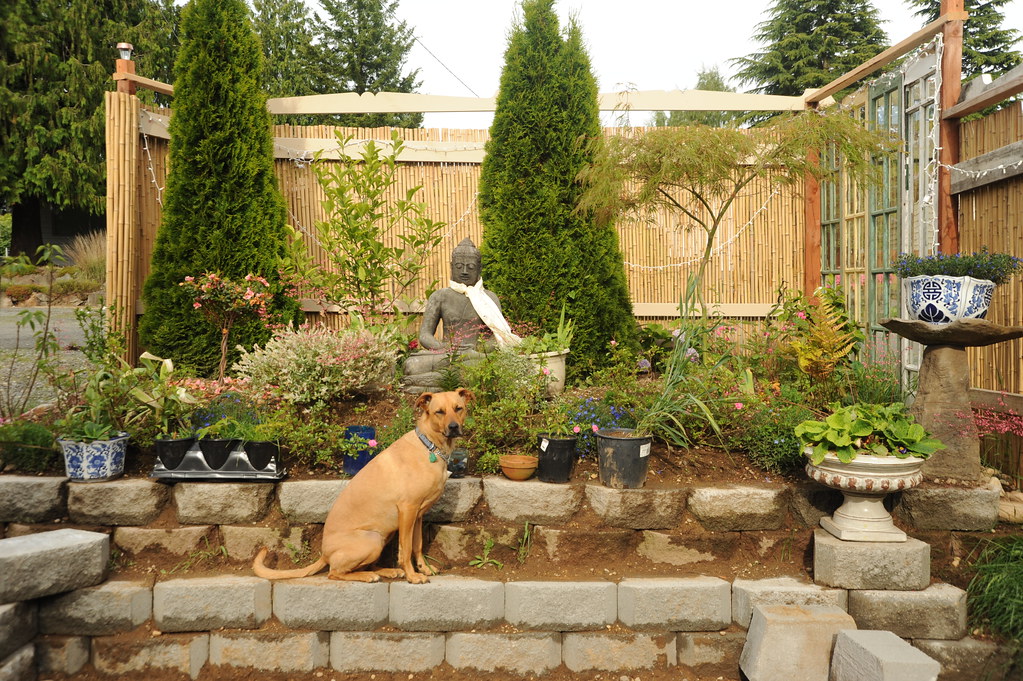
[940, 299]
[94, 461]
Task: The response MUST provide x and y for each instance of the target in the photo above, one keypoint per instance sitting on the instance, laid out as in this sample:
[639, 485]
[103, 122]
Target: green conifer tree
[808, 43]
[222, 211]
[289, 56]
[363, 48]
[707, 79]
[538, 252]
[987, 47]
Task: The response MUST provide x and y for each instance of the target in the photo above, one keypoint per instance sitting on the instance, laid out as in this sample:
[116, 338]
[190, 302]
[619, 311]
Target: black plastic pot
[216, 450]
[622, 458]
[260, 453]
[556, 458]
[171, 451]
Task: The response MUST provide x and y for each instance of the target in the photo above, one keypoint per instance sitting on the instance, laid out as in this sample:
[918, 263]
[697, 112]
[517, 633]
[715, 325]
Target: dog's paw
[416, 578]
[391, 573]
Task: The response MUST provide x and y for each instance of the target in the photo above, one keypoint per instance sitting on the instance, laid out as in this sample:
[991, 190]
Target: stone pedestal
[904, 566]
[942, 404]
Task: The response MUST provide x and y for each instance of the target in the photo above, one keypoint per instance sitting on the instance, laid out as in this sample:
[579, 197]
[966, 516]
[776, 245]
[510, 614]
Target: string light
[152, 171]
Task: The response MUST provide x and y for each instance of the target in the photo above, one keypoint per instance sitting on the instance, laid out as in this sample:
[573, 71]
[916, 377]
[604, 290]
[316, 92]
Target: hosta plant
[863, 428]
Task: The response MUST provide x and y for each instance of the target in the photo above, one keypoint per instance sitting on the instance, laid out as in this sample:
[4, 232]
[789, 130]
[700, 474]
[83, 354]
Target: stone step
[788, 642]
[51, 562]
[879, 656]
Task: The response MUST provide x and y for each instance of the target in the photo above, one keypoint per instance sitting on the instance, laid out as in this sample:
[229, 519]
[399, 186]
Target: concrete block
[788, 642]
[118, 502]
[617, 652]
[51, 563]
[680, 549]
[101, 610]
[20, 666]
[324, 604]
[179, 541]
[748, 593]
[18, 626]
[970, 659]
[950, 508]
[62, 654]
[740, 507]
[205, 603]
[456, 503]
[308, 501]
[937, 612]
[637, 509]
[901, 566]
[382, 652]
[879, 656]
[675, 604]
[532, 501]
[446, 604]
[810, 501]
[515, 653]
[242, 543]
[710, 654]
[288, 651]
[137, 657]
[450, 541]
[561, 606]
[31, 499]
[222, 503]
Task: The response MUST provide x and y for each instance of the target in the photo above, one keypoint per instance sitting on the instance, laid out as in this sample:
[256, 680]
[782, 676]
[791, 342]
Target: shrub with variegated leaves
[310, 365]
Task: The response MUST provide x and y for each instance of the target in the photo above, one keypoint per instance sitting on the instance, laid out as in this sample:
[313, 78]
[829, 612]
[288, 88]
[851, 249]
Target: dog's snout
[454, 429]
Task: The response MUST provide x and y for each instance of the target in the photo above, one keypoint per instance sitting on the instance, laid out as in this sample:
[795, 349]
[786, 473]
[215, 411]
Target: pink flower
[801, 315]
[372, 443]
[739, 405]
[197, 304]
[595, 427]
[576, 429]
[189, 278]
[248, 294]
[546, 371]
[614, 343]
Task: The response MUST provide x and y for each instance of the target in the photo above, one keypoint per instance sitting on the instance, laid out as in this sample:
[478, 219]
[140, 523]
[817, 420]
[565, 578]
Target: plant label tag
[644, 450]
[543, 445]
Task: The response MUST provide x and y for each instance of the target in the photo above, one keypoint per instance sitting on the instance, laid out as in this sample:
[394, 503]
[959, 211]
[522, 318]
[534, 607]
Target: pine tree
[56, 57]
[221, 210]
[707, 79]
[538, 253]
[809, 43]
[987, 47]
[363, 48]
[288, 54]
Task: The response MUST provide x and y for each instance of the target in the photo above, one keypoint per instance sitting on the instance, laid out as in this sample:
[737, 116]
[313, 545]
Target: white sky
[651, 44]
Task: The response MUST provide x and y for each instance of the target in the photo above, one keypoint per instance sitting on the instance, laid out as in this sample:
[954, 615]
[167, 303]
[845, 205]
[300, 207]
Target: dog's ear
[423, 402]
[466, 394]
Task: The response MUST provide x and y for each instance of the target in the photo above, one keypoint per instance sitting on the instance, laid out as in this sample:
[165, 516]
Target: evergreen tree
[288, 54]
[56, 57]
[221, 209]
[363, 48]
[156, 43]
[809, 43]
[987, 47]
[707, 79]
[538, 252]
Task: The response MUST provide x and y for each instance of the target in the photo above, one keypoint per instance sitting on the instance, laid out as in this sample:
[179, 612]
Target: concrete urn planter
[864, 483]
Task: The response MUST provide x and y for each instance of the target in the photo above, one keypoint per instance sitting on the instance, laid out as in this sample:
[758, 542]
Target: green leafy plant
[28, 447]
[375, 242]
[558, 340]
[996, 267]
[557, 419]
[484, 560]
[525, 544]
[827, 341]
[88, 253]
[765, 434]
[996, 590]
[877, 429]
[168, 405]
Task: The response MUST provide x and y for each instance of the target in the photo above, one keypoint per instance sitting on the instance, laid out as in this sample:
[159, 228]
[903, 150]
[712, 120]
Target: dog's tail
[267, 573]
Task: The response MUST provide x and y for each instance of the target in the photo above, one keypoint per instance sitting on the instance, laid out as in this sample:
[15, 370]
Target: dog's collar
[431, 447]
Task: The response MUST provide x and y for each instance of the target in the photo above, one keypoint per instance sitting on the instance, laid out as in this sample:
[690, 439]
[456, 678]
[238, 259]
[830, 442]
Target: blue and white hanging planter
[941, 299]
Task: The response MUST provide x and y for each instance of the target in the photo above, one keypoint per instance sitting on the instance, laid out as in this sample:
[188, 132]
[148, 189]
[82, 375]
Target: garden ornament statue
[469, 311]
[469, 314]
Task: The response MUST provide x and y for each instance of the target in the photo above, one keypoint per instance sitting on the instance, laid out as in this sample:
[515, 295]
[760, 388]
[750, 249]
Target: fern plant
[829, 340]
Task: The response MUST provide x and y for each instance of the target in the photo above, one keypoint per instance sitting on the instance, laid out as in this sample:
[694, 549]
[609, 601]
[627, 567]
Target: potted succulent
[940, 289]
[548, 351]
[865, 451]
[556, 442]
[169, 407]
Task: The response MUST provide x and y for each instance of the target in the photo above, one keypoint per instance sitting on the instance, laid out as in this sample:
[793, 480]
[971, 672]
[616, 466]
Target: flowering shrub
[311, 365]
[591, 415]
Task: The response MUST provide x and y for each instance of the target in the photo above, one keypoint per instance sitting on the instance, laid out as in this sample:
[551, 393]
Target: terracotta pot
[518, 466]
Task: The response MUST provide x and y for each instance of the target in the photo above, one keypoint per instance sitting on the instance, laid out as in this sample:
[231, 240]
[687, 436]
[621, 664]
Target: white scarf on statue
[488, 311]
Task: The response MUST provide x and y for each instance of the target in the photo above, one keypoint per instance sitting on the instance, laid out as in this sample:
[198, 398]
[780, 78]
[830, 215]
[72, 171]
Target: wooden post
[811, 230]
[125, 66]
[948, 130]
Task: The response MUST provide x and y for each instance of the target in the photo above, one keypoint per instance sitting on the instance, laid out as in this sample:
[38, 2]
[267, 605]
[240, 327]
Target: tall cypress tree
[987, 47]
[538, 252]
[222, 211]
[363, 48]
[809, 43]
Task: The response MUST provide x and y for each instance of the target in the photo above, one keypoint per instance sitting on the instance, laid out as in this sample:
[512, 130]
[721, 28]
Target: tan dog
[389, 495]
